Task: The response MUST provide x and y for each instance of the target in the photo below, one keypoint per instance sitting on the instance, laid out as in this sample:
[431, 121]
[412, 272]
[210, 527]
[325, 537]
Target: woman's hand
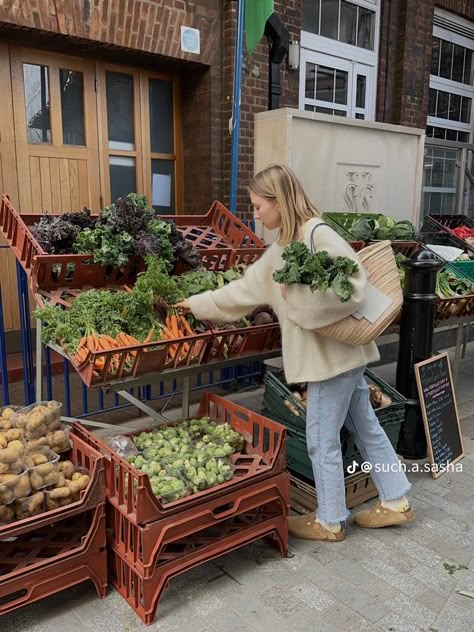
[283, 290]
[183, 306]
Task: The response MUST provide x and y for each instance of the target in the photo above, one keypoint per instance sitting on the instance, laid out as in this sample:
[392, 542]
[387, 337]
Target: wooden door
[55, 123]
[9, 185]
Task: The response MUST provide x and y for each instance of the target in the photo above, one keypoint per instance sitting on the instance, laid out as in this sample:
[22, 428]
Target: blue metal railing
[77, 399]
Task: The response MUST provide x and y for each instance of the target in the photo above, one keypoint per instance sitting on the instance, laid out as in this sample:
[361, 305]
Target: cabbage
[364, 229]
[386, 229]
[404, 230]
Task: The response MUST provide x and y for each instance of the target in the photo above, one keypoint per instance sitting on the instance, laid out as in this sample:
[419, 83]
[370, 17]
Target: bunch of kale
[57, 235]
[318, 270]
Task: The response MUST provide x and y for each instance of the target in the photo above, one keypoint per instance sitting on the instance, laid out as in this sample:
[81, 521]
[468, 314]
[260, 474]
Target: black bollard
[415, 345]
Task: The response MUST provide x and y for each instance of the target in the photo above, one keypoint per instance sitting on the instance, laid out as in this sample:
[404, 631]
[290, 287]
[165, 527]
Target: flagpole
[238, 66]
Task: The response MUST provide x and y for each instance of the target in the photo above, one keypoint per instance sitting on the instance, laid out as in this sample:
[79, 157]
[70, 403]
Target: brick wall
[254, 92]
[404, 61]
[464, 8]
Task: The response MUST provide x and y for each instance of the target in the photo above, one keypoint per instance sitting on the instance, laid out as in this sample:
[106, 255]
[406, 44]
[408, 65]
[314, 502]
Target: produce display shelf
[143, 594]
[444, 223]
[341, 222]
[172, 538]
[263, 455]
[53, 557]
[359, 487]
[221, 238]
[52, 542]
[82, 455]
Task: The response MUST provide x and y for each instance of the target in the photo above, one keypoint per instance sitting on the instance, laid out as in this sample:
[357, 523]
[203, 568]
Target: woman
[334, 371]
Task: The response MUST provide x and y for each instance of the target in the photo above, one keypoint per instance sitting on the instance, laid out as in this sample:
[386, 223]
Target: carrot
[150, 335]
[168, 334]
[109, 339]
[186, 326]
[174, 324]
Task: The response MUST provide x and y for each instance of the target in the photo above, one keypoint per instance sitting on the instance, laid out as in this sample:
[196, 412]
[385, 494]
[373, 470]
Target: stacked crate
[150, 542]
[56, 549]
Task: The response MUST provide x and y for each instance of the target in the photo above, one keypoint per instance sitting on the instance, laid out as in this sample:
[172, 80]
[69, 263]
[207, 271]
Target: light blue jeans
[344, 399]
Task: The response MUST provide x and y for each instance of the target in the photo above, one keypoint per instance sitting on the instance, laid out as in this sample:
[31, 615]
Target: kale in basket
[318, 270]
[56, 235]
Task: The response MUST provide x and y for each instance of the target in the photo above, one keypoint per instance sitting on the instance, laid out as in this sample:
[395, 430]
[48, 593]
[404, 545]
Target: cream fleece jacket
[307, 356]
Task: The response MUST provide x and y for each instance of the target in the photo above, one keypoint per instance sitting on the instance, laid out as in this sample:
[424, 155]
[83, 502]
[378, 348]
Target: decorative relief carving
[358, 191]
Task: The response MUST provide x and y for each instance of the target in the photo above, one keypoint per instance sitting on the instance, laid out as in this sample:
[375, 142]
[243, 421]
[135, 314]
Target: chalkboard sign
[440, 413]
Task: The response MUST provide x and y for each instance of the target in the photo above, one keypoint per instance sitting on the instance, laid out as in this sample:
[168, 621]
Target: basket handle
[313, 247]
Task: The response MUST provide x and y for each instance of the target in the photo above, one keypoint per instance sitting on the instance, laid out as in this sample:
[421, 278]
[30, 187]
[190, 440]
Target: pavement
[401, 579]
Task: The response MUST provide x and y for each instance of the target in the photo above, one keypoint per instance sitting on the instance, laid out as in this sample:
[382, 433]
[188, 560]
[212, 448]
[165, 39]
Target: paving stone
[312, 596]
[395, 622]
[451, 551]
[433, 600]
[421, 616]
[419, 552]
[436, 578]
[283, 602]
[341, 617]
[361, 603]
[463, 602]
[325, 554]
[322, 577]
[454, 619]
[458, 498]
[383, 569]
[350, 571]
[379, 590]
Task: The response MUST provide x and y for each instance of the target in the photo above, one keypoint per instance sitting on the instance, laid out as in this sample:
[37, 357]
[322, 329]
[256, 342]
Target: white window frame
[334, 52]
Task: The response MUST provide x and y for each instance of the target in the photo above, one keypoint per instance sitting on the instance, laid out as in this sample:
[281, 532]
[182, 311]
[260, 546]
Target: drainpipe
[277, 32]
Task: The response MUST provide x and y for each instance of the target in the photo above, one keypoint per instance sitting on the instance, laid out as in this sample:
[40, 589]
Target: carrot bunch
[102, 342]
[176, 326]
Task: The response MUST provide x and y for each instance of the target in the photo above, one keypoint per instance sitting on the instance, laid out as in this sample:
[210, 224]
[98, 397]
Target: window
[447, 183]
[71, 84]
[340, 20]
[36, 83]
[338, 57]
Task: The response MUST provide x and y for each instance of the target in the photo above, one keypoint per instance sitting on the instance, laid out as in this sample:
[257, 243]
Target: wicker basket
[379, 261]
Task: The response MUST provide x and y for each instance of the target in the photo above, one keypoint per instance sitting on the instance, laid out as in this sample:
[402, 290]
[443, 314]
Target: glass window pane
[443, 104]
[310, 16]
[162, 186]
[435, 56]
[454, 107]
[348, 23]
[432, 102]
[310, 81]
[161, 116]
[72, 106]
[340, 94]
[439, 132]
[325, 84]
[36, 84]
[329, 18]
[451, 134]
[366, 29]
[446, 59]
[122, 176]
[466, 110]
[360, 91]
[429, 130]
[469, 68]
[324, 110]
[458, 63]
[120, 110]
[360, 116]
[310, 108]
[463, 137]
[340, 113]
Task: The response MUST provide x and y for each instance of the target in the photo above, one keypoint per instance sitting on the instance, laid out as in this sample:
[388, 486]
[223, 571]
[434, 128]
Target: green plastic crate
[341, 222]
[277, 391]
[466, 268]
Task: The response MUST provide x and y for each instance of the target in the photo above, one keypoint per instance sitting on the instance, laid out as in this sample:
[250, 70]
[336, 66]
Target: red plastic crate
[237, 342]
[158, 542]
[46, 560]
[264, 455]
[83, 455]
[459, 307]
[143, 594]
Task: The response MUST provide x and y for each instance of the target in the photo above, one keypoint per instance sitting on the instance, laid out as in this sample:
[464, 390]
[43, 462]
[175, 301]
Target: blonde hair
[279, 183]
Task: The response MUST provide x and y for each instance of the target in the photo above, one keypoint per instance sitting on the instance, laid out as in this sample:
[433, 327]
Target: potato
[3, 441]
[4, 478]
[58, 441]
[31, 506]
[17, 445]
[20, 420]
[6, 514]
[22, 487]
[5, 424]
[13, 487]
[78, 484]
[7, 413]
[61, 480]
[14, 434]
[39, 458]
[8, 455]
[37, 443]
[60, 492]
[67, 468]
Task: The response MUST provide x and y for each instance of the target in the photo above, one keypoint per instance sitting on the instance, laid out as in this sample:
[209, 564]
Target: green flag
[257, 13]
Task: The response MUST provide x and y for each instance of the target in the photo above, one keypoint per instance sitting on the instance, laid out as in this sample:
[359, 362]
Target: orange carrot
[186, 326]
[174, 325]
[150, 335]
